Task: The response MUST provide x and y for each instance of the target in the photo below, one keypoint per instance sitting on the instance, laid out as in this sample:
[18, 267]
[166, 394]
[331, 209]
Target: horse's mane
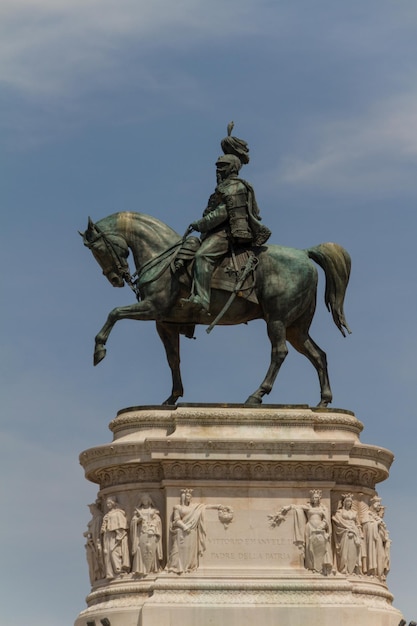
[161, 230]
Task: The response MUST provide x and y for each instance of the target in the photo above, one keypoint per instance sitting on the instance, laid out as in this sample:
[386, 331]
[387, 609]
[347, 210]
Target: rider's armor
[233, 207]
[235, 197]
[228, 208]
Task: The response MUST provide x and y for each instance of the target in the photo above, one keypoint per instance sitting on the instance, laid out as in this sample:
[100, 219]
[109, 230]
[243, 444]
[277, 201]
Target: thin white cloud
[46, 46]
[66, 63]
[349, 154]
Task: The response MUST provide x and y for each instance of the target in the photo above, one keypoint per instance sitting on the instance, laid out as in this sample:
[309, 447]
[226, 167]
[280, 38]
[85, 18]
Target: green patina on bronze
[286, 285]
[173, 278]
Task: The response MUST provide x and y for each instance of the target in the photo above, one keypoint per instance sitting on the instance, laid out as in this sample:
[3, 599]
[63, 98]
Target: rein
[166, 255]
[120, 264]
[136, 280]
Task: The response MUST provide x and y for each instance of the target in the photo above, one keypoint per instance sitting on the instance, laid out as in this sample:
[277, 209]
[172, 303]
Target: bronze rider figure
[232, 217]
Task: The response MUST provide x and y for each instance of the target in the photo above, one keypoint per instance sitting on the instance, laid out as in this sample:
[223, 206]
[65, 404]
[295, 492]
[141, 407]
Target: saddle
[225, 276]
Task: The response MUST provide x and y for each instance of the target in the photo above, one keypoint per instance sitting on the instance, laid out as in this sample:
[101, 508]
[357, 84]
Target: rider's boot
[196, 302]
[201, 296]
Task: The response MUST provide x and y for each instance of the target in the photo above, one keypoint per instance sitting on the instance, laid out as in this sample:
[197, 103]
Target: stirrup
[195, 302]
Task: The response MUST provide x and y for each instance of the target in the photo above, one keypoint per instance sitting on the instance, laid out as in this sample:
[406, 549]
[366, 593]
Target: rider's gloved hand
[189, 230]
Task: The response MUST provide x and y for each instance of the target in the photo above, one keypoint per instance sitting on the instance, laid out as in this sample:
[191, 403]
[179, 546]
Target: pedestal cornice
[236, 442]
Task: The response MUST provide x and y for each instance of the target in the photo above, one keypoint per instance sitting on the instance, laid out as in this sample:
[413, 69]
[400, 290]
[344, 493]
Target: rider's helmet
[229, 164]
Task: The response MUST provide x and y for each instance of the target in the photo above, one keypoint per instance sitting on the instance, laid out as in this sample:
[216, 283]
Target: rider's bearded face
[223, 170]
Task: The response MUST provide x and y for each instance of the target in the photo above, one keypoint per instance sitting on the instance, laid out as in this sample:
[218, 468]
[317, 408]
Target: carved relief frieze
[241, 470]
[235, 470]
[354, 541]
[129, 473]
[357, 476]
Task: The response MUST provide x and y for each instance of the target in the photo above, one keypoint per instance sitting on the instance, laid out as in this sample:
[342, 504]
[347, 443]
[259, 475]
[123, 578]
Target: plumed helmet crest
[235, 146]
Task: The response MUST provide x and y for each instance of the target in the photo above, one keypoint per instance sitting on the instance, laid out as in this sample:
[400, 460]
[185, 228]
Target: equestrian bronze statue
[231, 277]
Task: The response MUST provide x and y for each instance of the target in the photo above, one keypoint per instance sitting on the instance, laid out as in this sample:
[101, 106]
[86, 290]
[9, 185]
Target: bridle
[118, 265]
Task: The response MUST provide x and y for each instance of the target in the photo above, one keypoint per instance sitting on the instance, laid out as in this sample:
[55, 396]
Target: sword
[250, 265]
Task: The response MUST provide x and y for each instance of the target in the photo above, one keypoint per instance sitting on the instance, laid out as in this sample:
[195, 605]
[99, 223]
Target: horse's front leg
[170, 337]
[140, 311]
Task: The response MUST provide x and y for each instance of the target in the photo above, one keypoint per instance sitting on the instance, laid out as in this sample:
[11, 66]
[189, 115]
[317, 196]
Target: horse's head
[110, 251]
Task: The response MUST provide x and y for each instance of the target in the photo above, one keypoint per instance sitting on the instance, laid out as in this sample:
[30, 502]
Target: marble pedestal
[243, 464]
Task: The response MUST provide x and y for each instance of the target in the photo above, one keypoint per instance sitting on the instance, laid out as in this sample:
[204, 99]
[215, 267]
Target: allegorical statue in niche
[187, 532]
[376, 541]
[311, 532]
[115, 540]
[348, 537]
[238, 277]
[93, 545]
[387, 546]
[146, 537]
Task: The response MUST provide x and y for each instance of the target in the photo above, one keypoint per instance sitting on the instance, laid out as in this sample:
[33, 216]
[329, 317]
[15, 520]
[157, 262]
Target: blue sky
[109, 106]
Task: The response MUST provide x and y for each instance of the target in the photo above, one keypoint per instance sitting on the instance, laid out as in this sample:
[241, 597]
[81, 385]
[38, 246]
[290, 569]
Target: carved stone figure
[94, 551]
[376, 541]
[187, 533]
[347, 533]
[311, 532]
[232, 218]
[115, 540]
[146, 537]
[387, 546]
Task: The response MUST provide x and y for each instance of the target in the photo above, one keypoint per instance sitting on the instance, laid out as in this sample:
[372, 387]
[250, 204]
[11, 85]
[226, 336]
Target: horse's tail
[335, 261]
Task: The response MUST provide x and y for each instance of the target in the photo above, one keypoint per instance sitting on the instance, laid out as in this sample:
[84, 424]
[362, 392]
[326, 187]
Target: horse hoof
[171, 401]
[99, 355]
[323, 404]
[253, 400]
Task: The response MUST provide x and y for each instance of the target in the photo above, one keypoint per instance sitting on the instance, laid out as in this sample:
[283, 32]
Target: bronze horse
[285, 286]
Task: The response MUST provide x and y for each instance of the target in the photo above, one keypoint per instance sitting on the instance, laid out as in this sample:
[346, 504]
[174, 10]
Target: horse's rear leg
[170, 337]
[276, 334]
[304, 344]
